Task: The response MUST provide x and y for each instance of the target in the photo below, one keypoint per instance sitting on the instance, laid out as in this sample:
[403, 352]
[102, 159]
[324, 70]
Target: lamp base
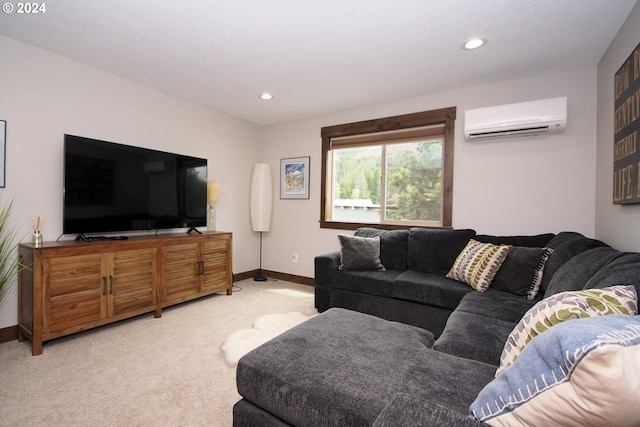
[259, 278]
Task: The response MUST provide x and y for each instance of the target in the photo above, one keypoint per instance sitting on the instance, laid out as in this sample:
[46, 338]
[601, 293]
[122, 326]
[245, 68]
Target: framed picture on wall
[294, 178]
[626, 156]
[3, 150]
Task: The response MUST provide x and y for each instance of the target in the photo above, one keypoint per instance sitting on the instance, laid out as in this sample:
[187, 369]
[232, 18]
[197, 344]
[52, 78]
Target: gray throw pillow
[360, 253]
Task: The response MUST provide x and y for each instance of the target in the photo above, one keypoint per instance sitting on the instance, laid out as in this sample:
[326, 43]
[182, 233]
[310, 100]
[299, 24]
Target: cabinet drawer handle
[104, 285]
[111, 285]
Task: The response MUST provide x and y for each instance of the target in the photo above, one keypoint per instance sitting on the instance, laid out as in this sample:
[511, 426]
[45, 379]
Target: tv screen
[111, 187]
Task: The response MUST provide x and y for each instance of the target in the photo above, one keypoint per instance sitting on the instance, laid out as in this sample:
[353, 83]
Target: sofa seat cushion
[344, 368]
[366, 282]
[496, 304]
[429, 288]
[474, 336]
[480, 325]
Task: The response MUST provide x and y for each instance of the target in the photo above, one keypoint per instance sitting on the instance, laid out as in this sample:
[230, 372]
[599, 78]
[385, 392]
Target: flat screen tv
[111, 187]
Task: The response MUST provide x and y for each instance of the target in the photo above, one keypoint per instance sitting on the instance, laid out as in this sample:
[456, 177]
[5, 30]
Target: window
[394, 172]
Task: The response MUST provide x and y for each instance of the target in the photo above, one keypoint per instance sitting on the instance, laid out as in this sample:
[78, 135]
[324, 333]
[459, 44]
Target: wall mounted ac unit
[523, 118]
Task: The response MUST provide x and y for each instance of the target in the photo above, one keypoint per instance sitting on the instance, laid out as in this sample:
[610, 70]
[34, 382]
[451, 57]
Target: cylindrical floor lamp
[260, 204]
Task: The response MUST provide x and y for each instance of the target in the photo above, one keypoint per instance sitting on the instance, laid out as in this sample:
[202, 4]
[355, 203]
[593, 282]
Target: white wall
[615, 224]
[45, 96]
[521, 186]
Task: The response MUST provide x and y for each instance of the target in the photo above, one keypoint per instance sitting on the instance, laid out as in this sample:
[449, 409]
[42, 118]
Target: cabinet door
[131, 278]
[181, 272]
[74, 291]
[215, 265]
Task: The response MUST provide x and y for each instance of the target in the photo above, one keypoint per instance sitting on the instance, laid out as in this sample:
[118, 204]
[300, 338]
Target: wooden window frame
[442, 116]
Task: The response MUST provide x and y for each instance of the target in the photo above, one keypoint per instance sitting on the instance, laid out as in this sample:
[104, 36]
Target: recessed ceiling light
[474, 43]
[266, 96]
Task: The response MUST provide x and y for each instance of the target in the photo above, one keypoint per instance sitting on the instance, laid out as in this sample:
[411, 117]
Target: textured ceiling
[323, 56]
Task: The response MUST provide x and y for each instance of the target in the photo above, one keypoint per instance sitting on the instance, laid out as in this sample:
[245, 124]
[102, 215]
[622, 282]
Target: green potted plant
[9, 261]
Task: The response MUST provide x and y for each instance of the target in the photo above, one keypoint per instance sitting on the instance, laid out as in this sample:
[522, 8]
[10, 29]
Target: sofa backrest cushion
[393, 246]
[575, 273]
[565, 246]
[622, 270]
[535, 241]
[434, 250]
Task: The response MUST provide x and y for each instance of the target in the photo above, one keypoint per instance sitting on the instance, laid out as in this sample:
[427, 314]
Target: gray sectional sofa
[406, 345]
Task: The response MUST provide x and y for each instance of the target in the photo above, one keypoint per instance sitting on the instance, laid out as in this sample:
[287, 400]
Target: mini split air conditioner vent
[521, 119]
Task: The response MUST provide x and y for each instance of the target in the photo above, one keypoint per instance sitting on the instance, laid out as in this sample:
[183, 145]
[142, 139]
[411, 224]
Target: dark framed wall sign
[294, 178]
[3, 150]
[626, 157]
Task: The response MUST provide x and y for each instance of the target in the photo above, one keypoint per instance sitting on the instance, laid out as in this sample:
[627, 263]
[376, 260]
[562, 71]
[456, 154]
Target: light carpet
[144, 371]
[264, 329]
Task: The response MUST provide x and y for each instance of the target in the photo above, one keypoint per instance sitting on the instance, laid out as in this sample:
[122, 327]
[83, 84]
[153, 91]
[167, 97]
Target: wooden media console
[71, 286]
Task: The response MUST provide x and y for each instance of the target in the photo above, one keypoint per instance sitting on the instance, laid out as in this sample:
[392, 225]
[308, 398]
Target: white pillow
[582, 372]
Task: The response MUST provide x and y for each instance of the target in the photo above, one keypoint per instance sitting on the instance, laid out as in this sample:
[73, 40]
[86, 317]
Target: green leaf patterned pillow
[478, 264]
[565, 306]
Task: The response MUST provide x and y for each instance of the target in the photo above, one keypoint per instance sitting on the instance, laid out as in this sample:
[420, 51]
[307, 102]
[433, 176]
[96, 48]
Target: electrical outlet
[294, 257]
